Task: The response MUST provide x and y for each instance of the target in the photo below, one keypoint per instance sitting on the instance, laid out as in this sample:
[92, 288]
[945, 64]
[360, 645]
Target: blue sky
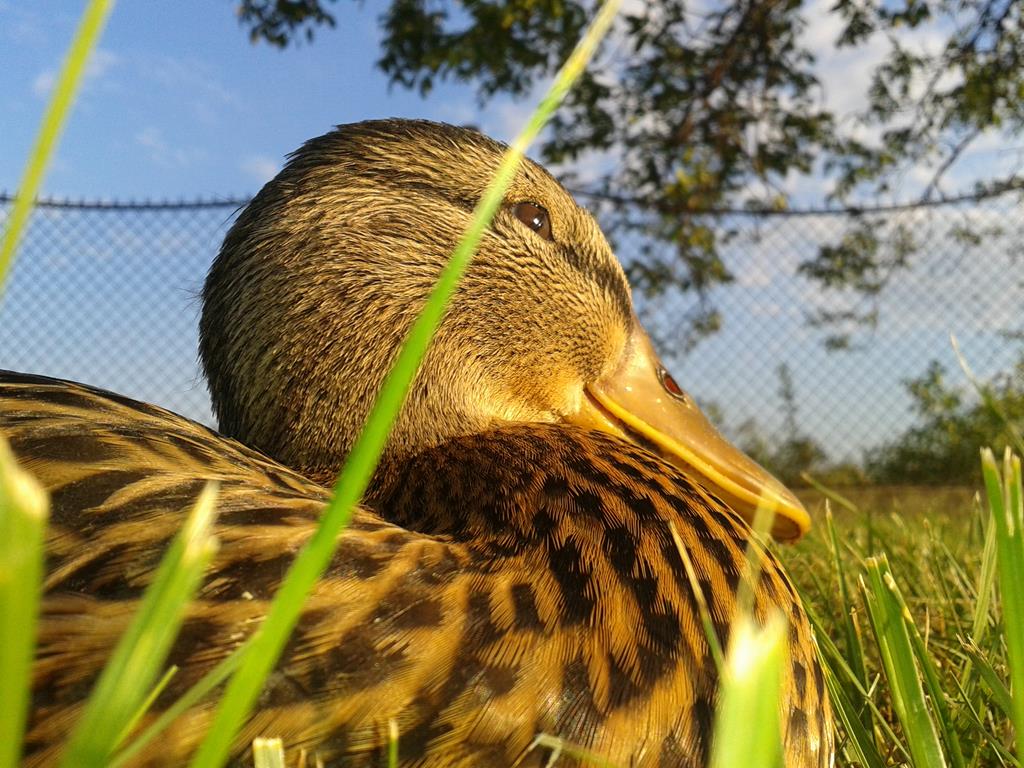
[179, 104]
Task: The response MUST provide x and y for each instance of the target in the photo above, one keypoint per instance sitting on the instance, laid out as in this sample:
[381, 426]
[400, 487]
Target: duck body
[554, 601]
[511, 572]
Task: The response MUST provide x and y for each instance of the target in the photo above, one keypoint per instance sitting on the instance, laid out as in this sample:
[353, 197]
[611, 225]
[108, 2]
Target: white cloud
[162, 153]
[23, 27]
[260, 167]
[845, 74]
[101, 62]
[192, 82]
[43, 83]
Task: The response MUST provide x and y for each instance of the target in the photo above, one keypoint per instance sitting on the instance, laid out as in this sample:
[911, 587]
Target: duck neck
[514, 488]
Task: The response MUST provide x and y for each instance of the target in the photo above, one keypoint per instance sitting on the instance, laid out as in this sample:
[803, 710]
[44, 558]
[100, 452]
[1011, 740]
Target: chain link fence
[107, 294]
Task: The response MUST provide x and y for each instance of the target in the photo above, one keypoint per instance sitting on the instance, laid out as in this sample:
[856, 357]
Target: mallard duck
[512, 570]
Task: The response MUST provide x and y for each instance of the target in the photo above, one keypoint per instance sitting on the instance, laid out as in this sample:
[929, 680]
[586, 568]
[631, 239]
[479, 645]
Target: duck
[514, 569]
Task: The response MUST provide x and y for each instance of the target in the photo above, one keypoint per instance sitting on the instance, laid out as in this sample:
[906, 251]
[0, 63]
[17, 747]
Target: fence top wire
[1014, 185]
[133, 205]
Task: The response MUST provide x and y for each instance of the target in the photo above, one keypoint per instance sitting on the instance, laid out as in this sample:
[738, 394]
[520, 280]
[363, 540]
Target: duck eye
[535, 217]
[670, 385]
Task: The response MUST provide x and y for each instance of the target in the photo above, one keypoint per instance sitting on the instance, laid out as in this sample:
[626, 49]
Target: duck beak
[641, 402]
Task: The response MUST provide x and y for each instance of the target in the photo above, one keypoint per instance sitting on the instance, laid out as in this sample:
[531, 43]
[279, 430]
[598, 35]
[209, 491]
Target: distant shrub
[942, 448]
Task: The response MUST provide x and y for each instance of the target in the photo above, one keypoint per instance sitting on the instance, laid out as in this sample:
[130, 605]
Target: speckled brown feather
[505, 584]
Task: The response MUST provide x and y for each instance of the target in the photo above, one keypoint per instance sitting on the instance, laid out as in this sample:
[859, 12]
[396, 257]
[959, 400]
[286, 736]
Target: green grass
[24, 508]
[910, 607]
[747, 719]
[123, 689]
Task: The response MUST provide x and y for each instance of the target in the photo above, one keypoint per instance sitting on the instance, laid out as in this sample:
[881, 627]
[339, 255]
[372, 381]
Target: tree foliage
[714, 105]
[933, 106]
[942, 448]
[280, 22]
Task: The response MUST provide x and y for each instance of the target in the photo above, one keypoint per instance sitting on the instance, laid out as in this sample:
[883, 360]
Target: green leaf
[24, 508]
[889, 620]
[140, 653]
[747, 729]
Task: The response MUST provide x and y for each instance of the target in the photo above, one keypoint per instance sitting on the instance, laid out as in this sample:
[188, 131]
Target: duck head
[320, 278]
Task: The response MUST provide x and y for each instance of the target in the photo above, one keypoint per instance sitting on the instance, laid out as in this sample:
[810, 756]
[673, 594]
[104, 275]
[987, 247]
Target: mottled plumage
[509, 574]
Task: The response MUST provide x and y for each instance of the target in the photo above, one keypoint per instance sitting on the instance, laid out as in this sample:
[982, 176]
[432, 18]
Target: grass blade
[559, 748]
[934, 687]
[268, 753]
[1005, 500]
[747, 729]
[986, 584]
[186, 701]
[392, 743]
[707, 623]
[64, 90]
[854, 649]
[147, 702]
[889, 617]
[839, 667]
[1000, 693]
[980, 622]
[142, 650]
[860, 741]
[24, 508]
[312, 561]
